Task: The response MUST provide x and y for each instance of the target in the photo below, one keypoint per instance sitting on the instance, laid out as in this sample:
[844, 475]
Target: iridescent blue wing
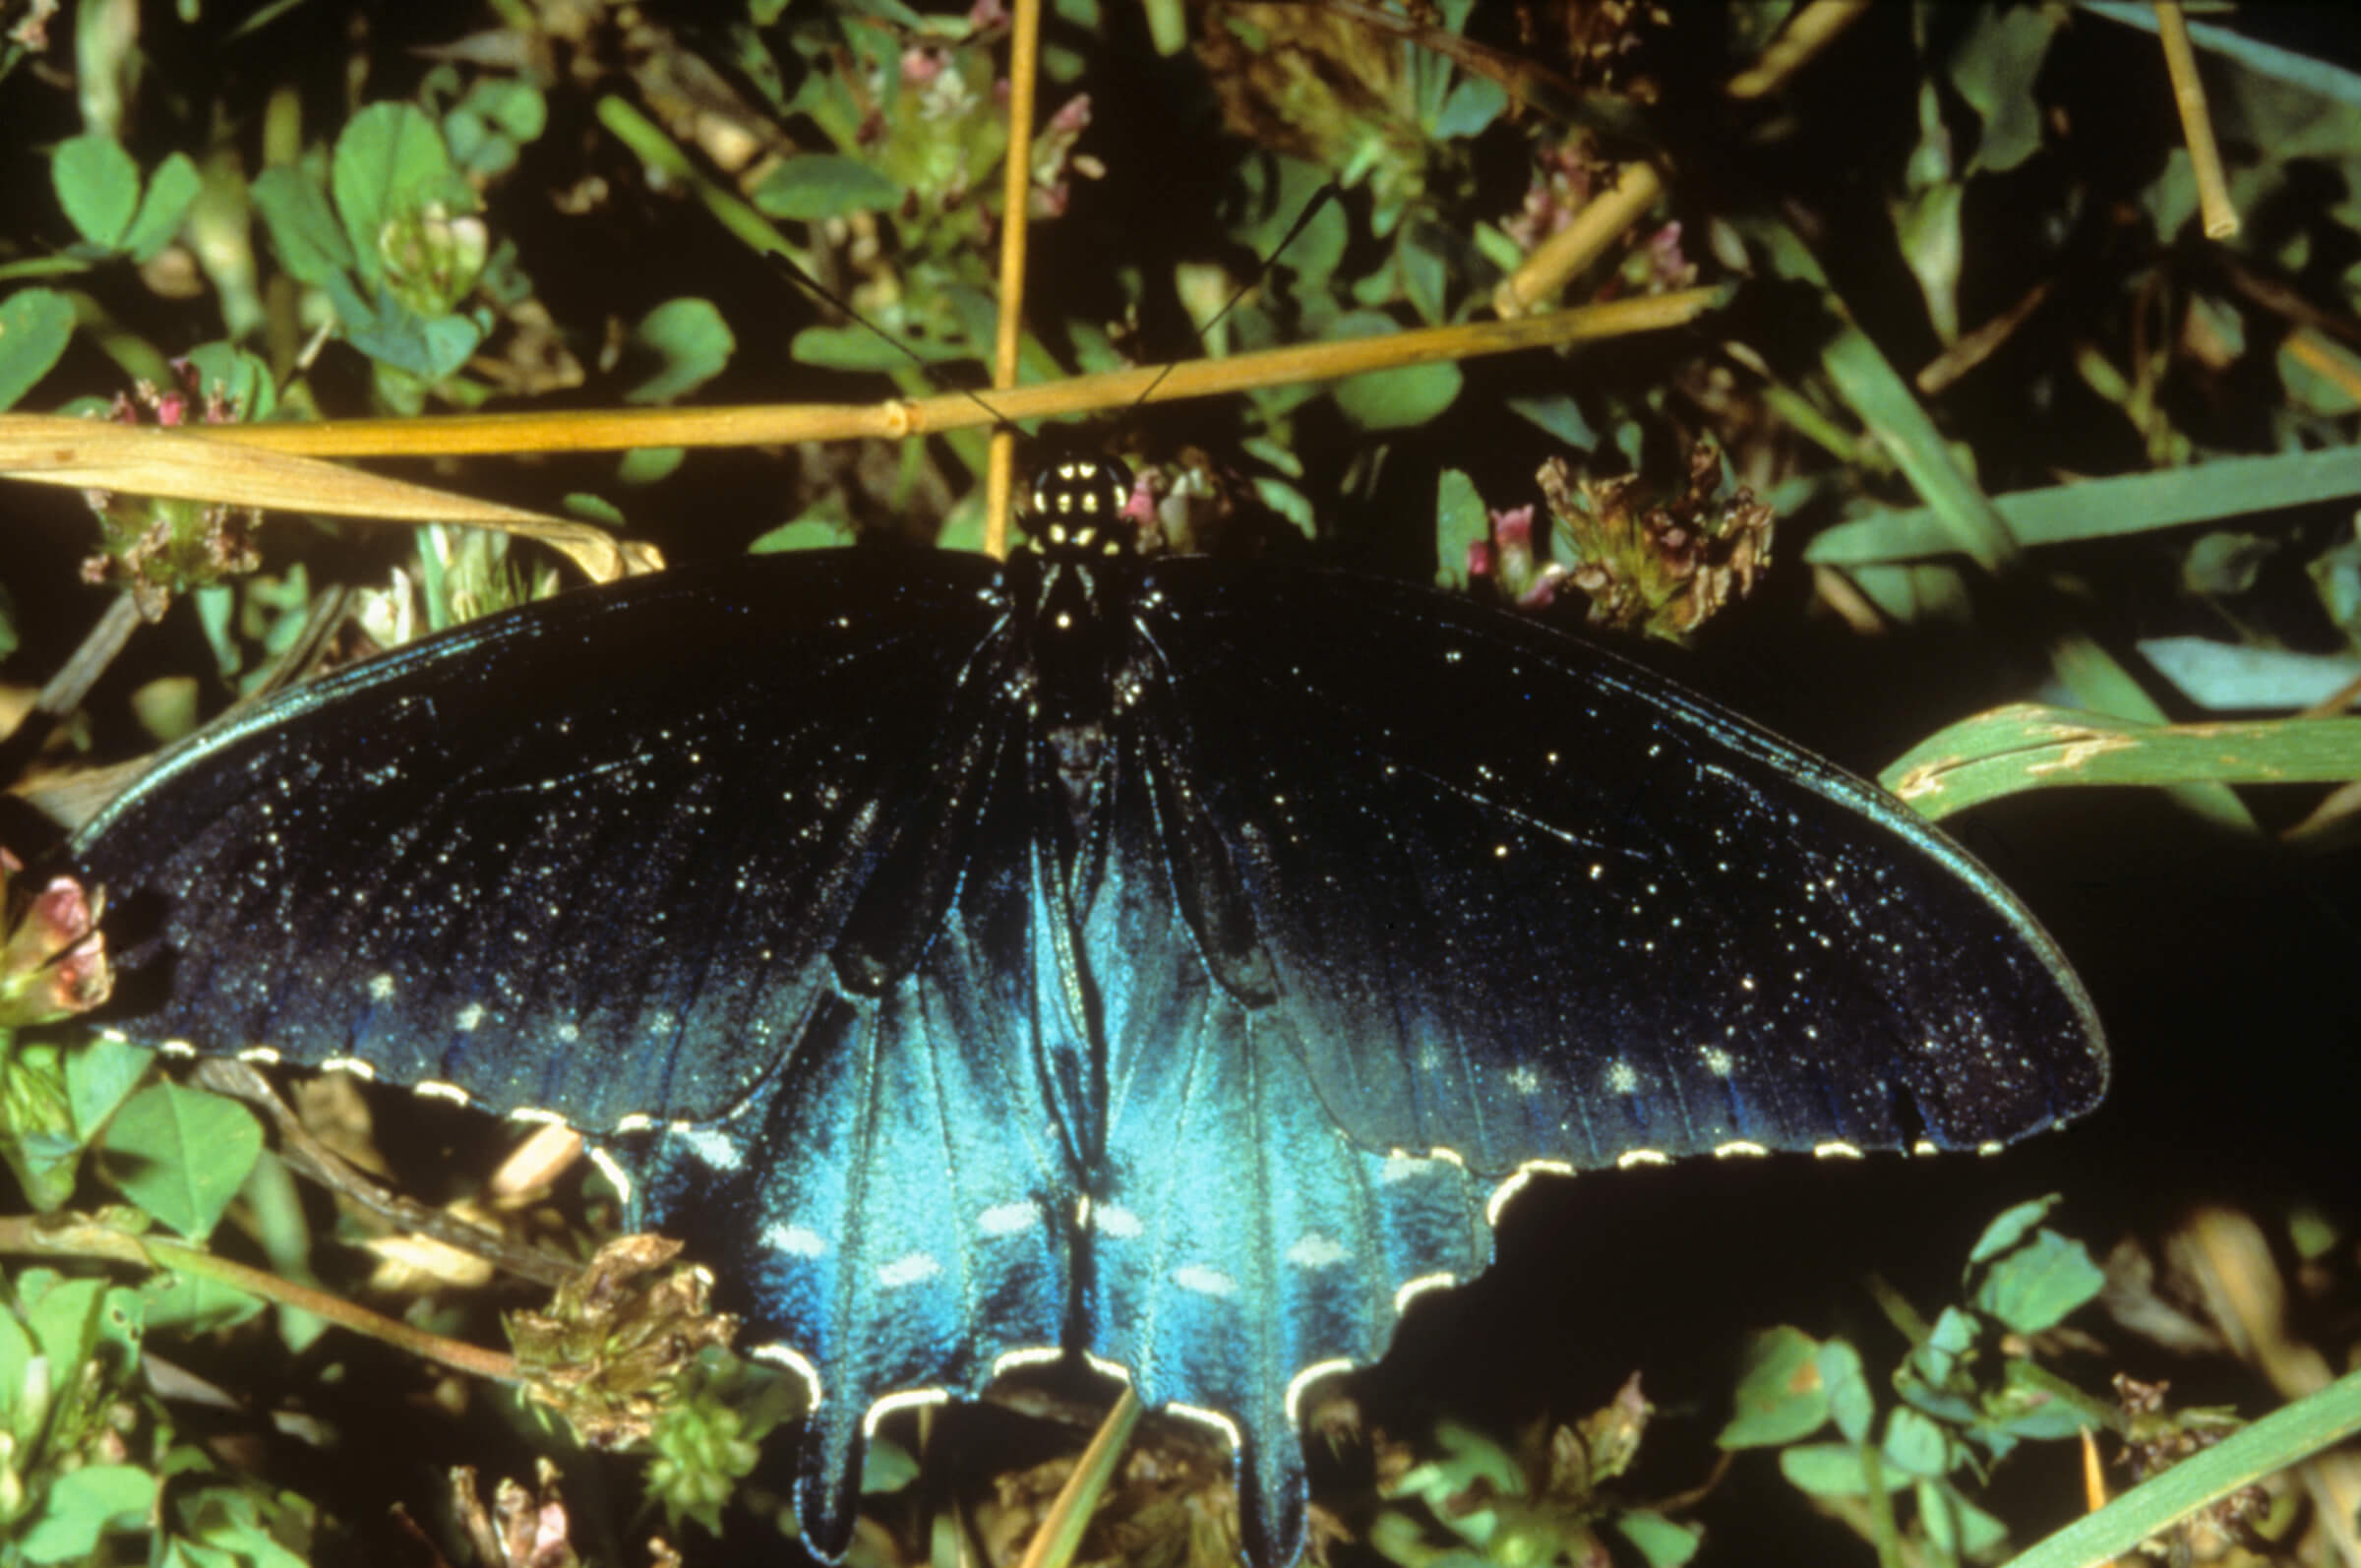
[743, 853]
[1408, 896]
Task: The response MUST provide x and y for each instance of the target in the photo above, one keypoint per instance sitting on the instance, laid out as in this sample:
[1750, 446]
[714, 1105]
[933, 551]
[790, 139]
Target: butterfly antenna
[821, 291]
[1262, 269]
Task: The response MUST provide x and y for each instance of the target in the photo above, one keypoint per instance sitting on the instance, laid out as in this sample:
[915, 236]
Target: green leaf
[386, 329]
[99, 186]
[242, 378]
[1915, 1445]
[1459, 525]
[20, 1415]
[1832, 1469]
[2025, 747]
[1663, 1544]
[83, 1505]
[801, 533]
[1849, 1398]
[98, 1075]
[1402, 399]
[1994, 68]
[389, 166]
[648, 466]
[691, 341]
[181, 1154]
[191, 1304]
[36, 324]
[2009, 1227]
[1473, 104]
[1781, 1396]
[822, 185]
[2036, 1287]
[171, 191]
[303, 228]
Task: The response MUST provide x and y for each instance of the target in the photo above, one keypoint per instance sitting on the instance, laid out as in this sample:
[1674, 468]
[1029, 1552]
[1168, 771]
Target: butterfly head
[1076, 508]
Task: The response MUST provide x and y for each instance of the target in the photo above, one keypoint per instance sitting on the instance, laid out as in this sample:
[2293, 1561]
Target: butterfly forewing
[1526, 900]
[590, 856]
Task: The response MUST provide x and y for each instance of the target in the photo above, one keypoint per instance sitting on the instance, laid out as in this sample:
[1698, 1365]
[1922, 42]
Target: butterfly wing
[590, 855]
[612, 855]
[1527, 901]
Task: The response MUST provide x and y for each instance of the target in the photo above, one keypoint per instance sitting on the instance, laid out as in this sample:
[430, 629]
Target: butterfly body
[1162, 959]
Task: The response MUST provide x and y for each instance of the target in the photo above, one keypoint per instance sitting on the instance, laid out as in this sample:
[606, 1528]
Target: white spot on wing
[262, 1055]
[910, 1268]
[380, 988]
[1205, 1280]
[437, 1089]
[353, 1065]
[797, 1240]
[1634, 1158]
[1621, 1078]
[1737, 1146]
[469, 1016]
[1836, 1151]
[1120, 1223]
[714, 1146]
[1028, 1355]
[1717, 1060]
[1007, 1219]
[1313, 1250]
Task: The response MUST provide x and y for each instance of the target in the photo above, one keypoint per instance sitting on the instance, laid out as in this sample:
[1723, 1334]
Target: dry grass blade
[92, 454]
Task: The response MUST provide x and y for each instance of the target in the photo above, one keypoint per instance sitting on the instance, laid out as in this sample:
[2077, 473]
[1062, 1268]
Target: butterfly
[1171, 961]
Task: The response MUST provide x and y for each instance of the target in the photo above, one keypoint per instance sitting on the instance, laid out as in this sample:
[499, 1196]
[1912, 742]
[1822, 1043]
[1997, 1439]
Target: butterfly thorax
[1072, 580]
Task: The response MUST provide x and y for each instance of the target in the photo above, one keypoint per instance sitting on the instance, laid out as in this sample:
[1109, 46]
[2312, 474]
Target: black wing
[1526, 901]
[591, 854]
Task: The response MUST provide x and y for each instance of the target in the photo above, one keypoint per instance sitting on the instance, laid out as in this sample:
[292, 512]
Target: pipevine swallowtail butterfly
[1165, 959]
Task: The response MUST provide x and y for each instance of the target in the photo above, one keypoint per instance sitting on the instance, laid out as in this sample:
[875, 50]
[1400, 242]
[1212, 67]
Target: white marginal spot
[176, 1049]
[469, 1016]
[908, 1269]
[115, 1037]
[1106, 1369]
[1924, 1146]
[437, 1089]
[1297, 1385]
[714, 1147]
[542, 1116]
[1205, 1280]
[1007, 1219]
[1313, 1250]
[1121, 1224]
[1209, 1418]
[1717, 1060]
[794, 1361]
[1635, 1158]
[907, 1399]
[263, 1055]
[380, 988]
[1029, 1356]
[1992, 1147]
[795, 1241]
[1411, 1290]
[1400, 1165]
[612, 1169]
[353, 1065]
[1621, 1078]
[1737, 1147]
[1835, 1151]
[635, 1121]
[1518, 1182]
